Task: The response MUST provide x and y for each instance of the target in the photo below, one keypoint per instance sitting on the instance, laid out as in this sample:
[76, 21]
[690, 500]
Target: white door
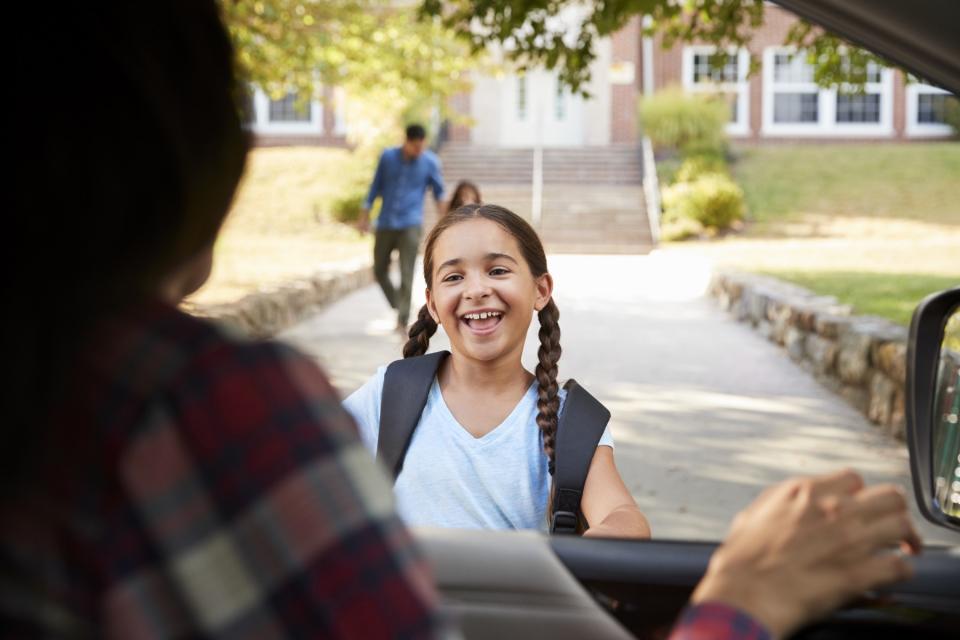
[534, 106]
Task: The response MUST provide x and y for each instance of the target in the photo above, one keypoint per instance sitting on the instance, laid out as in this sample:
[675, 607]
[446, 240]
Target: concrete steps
[620, 164]
[592, 196]
[577, 218]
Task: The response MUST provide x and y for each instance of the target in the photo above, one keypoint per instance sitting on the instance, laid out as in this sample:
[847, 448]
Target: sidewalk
[705, 412]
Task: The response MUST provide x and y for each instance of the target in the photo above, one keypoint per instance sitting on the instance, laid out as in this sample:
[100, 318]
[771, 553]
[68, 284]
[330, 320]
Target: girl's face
[483, 292]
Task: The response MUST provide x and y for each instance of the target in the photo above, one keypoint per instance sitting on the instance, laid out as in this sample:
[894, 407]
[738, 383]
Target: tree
[537, 32]
[391, 64]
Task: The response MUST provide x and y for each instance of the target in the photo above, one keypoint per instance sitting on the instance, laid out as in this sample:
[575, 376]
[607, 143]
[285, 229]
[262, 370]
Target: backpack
[582, 421]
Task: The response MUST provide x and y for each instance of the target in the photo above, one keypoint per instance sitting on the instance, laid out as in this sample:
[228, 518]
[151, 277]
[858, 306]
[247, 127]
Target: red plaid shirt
[715, 621]
[196, 485]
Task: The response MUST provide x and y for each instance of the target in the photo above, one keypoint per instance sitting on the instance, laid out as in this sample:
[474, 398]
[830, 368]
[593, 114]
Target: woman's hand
[806, 546]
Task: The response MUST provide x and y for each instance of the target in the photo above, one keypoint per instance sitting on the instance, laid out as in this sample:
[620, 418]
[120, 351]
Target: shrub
[346, 208]
[952, 115]
[713, 200]
[688, 123]
[699, 165]
[676, 230]
[667, 170]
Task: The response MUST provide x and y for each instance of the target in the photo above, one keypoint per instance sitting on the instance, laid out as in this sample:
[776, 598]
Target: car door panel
[501, 585]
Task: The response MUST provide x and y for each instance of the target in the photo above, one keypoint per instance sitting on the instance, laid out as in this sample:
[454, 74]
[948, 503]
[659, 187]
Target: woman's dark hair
[456, 200]
[129, 148]
[548, 402]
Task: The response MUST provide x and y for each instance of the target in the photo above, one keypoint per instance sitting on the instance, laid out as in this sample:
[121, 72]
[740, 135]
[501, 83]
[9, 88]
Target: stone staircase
[592, 197]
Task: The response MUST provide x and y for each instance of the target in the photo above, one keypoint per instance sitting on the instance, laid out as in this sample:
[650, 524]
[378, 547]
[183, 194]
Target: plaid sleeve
[716, 621]
[270, 518]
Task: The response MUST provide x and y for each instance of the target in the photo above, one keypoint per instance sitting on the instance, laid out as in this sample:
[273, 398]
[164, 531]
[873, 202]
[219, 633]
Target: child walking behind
[482, 454]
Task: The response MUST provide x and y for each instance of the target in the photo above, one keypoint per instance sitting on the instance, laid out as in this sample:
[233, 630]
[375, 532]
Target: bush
[713, 200]
[688, 123]
[952, 115]
[700, 165]
[346, 208]
[676, 230]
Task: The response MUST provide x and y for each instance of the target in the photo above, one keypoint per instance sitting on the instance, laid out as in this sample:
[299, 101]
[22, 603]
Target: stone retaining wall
[863, 358]
[266, 312]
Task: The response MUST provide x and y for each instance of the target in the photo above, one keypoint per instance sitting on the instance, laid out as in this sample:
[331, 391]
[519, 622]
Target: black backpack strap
[579, 429]
[405, 387]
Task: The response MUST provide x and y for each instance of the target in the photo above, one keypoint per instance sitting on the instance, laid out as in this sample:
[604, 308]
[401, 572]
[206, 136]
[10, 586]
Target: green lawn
[889, 295]
[875, 224]
[915, 181]
[279, 228]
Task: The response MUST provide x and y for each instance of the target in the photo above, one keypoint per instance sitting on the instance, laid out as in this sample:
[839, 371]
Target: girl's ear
[432, 307]
[544, 291]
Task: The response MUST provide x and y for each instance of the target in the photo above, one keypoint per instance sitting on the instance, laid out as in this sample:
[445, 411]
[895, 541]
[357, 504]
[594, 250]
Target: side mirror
[933, 407]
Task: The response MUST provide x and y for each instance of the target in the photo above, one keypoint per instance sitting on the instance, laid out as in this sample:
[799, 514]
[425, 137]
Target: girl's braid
[420, 333]
[548, 403]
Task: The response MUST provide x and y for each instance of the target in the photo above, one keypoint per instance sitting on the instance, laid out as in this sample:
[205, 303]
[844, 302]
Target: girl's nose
[476, 289]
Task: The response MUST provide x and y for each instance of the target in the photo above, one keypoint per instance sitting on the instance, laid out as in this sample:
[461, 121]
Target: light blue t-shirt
[452, 479]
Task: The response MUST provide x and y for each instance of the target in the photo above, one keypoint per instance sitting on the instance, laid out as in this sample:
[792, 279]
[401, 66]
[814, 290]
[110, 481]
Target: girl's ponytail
[548, 403]
[420, 333]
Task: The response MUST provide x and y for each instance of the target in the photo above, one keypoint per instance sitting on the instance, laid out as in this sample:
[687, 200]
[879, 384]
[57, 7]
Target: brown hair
[456, 200]
[548, 403]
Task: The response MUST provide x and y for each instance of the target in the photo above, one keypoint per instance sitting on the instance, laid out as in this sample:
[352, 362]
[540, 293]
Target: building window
[793, 104]
[727, 77]
[796, 107]
[932, 108]
[287, 109]
[927, 109]
[285, 115]
[522, 97]
[704, 70]
[858, 108]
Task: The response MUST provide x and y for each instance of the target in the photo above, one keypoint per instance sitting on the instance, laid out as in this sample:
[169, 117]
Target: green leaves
[562, 34]
[384, 57]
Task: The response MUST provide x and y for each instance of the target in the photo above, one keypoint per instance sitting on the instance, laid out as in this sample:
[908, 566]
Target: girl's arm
[607, 504]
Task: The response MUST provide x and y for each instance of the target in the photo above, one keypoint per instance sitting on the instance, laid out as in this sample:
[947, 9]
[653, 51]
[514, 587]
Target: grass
[279, 228]
[915, 181]
[892, 296]
[876, 225]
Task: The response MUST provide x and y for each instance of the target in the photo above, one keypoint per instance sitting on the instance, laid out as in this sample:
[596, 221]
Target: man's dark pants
[406, 241]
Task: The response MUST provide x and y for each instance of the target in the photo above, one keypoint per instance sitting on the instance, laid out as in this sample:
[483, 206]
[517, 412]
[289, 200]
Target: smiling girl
[482, 453]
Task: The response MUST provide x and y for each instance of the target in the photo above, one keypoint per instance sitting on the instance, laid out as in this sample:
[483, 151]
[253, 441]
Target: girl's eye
[453, 277]
[499, 271]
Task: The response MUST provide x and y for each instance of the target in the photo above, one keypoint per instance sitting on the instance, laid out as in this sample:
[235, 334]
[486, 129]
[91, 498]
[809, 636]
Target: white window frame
[741, 126]
[340, 125]
[826, 124]
[262, 123]
[916, 129]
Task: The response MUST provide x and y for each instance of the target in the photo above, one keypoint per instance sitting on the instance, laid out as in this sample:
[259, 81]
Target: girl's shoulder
[369, 392]
[364, 405]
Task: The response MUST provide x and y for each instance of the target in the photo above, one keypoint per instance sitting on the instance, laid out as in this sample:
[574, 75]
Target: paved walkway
[705, 412]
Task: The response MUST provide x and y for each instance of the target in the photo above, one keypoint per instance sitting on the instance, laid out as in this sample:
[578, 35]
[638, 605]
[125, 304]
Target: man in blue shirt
[403, 175]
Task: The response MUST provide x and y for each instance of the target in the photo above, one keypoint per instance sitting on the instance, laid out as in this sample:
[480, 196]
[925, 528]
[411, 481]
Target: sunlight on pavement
[705, 413]
[659, 276]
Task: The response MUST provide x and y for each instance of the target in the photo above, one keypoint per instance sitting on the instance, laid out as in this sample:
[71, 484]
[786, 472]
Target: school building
[777, 102]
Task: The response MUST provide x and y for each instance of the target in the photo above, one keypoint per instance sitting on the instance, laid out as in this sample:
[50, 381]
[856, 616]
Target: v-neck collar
[490, 436]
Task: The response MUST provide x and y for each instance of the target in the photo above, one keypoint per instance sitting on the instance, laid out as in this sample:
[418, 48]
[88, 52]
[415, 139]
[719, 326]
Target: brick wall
[667, 70]
[623, 97]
